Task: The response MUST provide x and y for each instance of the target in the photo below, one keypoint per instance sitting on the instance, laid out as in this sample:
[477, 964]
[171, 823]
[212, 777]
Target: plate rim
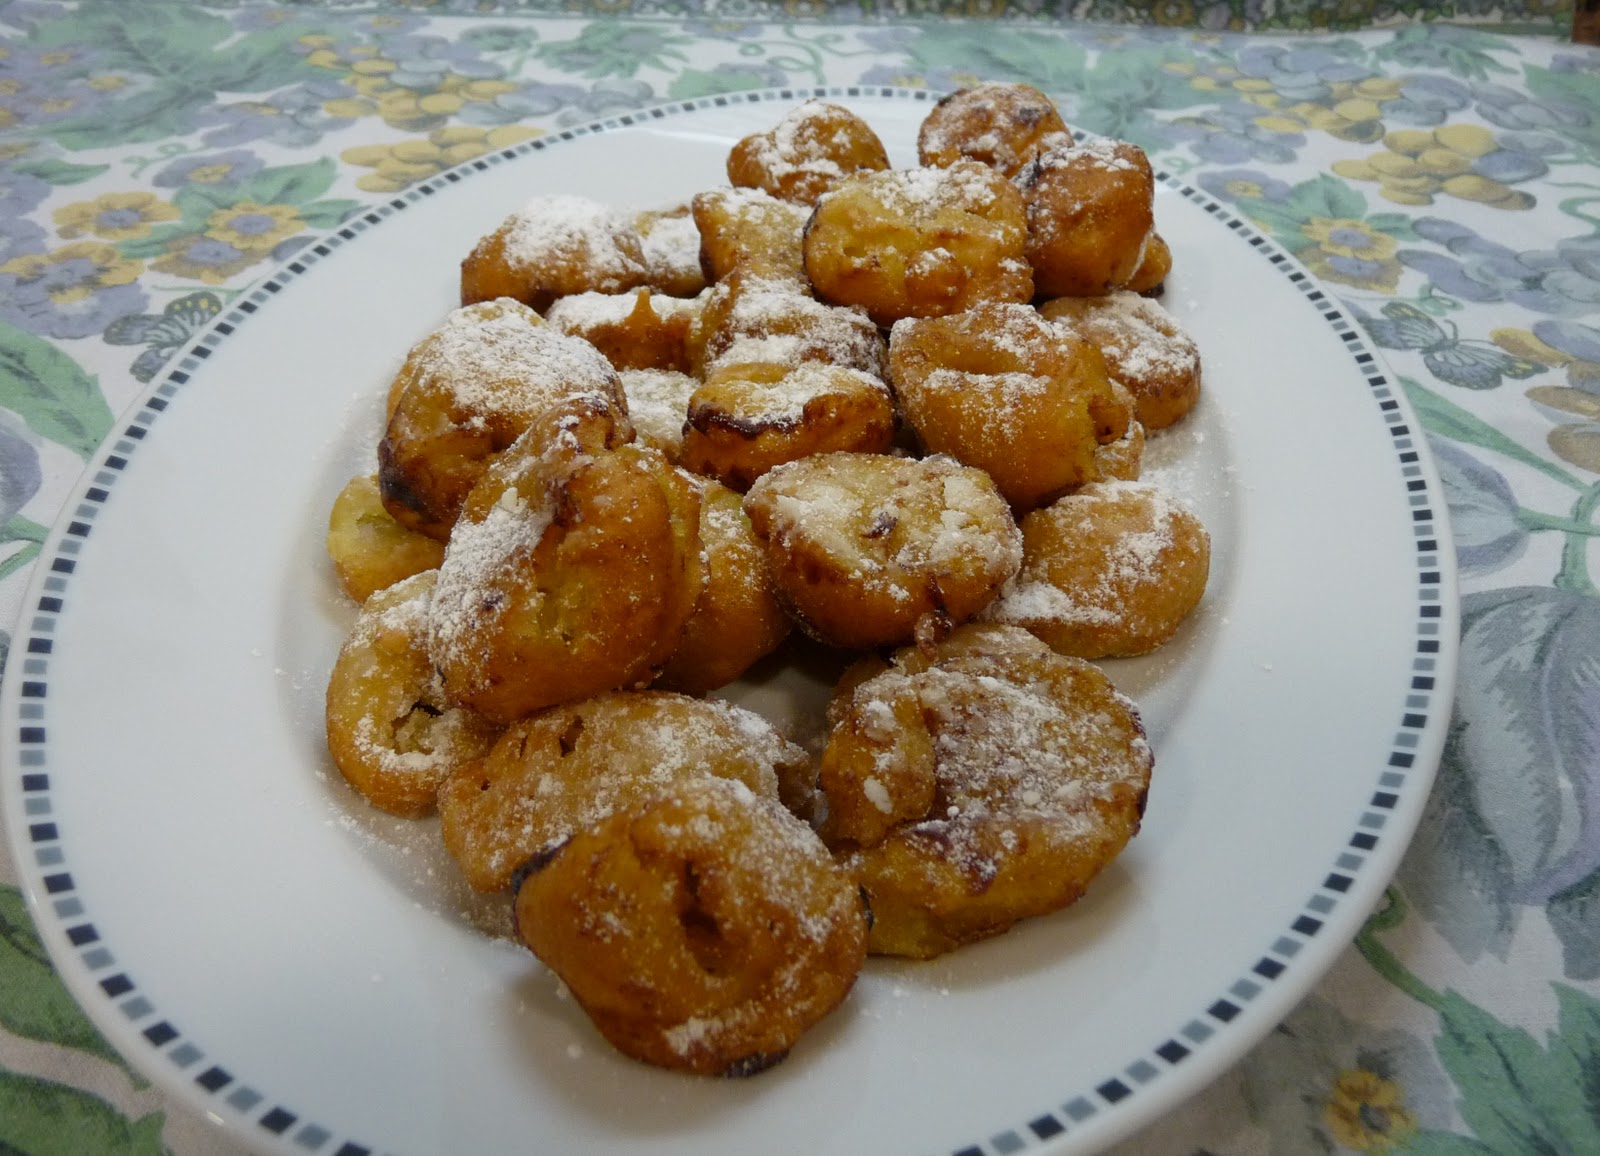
[1153, 1082]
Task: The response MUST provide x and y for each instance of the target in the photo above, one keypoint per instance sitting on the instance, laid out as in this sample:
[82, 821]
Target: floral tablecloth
[157, 160]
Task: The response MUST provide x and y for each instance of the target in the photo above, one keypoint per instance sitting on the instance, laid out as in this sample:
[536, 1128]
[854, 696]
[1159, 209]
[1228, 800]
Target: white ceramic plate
[309, 973]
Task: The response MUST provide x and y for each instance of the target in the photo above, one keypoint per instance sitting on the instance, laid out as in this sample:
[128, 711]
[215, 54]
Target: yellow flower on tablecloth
[86, 266]
[1575, 408]
[196, 257]
[402, 164]
[1351, 252]
[252, 227]
[1585, 375]
[1367, 1113]
[1419, 164]
[114, 216]
[1173, 13]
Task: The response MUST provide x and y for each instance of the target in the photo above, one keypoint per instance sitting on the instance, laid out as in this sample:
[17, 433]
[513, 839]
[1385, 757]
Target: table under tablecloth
[157, 160]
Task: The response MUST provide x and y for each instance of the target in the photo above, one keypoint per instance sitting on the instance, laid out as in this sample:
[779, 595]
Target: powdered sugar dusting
[658, 403]
[563, 228]
[491, 360]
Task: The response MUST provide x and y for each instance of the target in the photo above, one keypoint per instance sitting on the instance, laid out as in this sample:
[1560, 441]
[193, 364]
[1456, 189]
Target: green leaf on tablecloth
[1117, 95]
[1001, 53]
[1575, 90]
[186, 55]
[608, 48]
[155, 243]
[1466, 53]
[59, 172]
[693, 83]
[41, 1118]
[501, 38]
[290, 184]
[1443, 1144]
[1574, 915]
[1396, 225]
[34, 1003]
[51, 392]
[1576, 1049]
[17, 561]
[140, 118]
[1447, 419]
[327, 214]
[1515, 1095]
[1328, 197]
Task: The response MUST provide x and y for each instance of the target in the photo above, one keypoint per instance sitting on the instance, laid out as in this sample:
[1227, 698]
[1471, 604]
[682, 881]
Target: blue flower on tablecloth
[388, 24]
[202, 258]
[724, 29]
[26, 63]
[1427, 100]
[114, 216]
[1300, 73]
[607, 98]
[525, 102]
[1572, 62]
[72, 291]
[221, 169]
[18, 235]
[1574, 408]
[893, 40]
[1244, 185]
[422, 62]
[292, 117]
[1562, 282]
[27, 13]
[20, 193]
[1353, 1088]
[66, 102]
[1510, 109]
[261, 19]
[1232, 134]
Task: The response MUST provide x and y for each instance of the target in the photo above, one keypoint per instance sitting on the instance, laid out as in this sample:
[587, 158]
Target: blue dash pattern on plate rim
[47, 861]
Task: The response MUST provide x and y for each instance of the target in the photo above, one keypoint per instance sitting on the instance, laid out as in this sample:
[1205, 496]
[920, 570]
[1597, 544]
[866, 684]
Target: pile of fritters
[901, 410]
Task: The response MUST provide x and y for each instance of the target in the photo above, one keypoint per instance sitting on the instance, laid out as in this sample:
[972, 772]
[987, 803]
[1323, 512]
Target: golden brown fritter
[997, 124]
[368, 548]
[467, 391]
[865, 547]
[806, 153]
[1112, 569]
[391, 731]
[704, 931]
[1144, 348]
[1001, 388]
[920, 242]
[565, 768]
[1039, 770]
[572, 571]
[1091, 210]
